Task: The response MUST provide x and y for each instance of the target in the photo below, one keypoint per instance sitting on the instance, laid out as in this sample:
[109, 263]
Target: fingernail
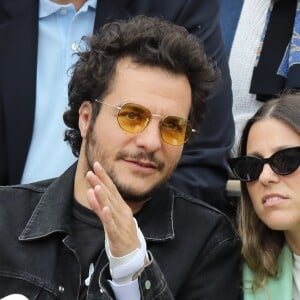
[98, 165]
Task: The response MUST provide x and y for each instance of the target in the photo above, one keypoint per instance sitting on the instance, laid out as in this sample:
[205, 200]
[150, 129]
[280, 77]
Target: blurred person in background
[265, 56]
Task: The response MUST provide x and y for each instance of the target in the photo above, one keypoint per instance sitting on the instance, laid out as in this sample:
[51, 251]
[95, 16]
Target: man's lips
[143, 164]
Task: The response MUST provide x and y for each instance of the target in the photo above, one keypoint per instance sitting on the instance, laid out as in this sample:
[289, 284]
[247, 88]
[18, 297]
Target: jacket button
[61, 289]
[147, 284]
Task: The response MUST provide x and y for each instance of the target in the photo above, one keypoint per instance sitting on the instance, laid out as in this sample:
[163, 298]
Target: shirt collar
[48, 7]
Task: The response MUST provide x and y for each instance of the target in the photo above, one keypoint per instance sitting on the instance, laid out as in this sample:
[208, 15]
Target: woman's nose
[267, 175]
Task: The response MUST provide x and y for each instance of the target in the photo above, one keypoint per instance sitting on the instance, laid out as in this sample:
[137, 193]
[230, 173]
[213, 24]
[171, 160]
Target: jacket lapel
[278, 288]
[19, 31]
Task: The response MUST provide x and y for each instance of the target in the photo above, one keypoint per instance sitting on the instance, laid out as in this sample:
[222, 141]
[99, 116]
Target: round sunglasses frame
[148, 115]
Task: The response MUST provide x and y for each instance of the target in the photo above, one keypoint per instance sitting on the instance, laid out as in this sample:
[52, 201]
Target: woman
[269, 212]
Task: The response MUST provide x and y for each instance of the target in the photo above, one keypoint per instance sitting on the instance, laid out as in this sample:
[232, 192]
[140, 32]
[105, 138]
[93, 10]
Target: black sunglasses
[282, 162]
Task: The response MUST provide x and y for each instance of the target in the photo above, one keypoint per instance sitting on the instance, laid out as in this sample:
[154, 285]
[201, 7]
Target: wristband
[123, 269]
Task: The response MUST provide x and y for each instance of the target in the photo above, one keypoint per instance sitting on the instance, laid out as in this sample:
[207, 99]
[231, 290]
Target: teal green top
[279, 288]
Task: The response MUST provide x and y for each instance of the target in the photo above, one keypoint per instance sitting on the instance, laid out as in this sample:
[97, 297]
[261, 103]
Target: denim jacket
[193, 247]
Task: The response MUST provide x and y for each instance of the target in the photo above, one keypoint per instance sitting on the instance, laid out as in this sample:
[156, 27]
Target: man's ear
[85, 115]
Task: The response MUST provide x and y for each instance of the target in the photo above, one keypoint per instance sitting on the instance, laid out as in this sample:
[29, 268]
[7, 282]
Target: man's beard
[125, 190]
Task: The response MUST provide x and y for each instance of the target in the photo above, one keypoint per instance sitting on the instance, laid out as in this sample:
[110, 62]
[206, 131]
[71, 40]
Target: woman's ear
[85, 115]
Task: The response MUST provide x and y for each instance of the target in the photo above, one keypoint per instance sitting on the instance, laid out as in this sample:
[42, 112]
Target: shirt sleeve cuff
[126, 291]
[122, 269]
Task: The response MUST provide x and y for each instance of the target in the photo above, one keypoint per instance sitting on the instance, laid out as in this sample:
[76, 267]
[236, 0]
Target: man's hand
[115, 214]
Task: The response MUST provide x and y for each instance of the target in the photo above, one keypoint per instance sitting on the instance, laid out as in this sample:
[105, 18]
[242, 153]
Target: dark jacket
[202, 171]
[194, 249]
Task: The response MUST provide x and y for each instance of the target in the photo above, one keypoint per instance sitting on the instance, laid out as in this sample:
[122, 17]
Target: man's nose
[150, 137]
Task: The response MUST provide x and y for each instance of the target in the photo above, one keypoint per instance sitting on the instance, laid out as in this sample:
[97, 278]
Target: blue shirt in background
[60, 31]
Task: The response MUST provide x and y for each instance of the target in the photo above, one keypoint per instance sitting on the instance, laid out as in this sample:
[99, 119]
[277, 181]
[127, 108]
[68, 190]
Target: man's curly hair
[147, 41]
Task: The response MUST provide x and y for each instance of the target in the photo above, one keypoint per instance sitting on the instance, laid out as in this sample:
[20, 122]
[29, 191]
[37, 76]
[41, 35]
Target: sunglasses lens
[249, 168]
[285, 161]
[246, 168]
[175, 130]
[133, 118]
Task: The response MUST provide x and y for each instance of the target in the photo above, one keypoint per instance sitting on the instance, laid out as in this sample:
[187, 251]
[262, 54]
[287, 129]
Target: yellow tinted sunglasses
[134, 118]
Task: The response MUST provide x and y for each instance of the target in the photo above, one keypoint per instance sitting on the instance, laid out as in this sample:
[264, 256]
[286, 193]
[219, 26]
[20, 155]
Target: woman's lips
[273, 199]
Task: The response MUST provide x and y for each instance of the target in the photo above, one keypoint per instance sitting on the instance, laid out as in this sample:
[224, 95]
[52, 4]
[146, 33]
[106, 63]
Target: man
[39, 39]
[109, 227]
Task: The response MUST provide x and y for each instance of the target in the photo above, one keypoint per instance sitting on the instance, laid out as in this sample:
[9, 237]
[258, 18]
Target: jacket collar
[280, 287]
[53, 212]
[156, 217]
